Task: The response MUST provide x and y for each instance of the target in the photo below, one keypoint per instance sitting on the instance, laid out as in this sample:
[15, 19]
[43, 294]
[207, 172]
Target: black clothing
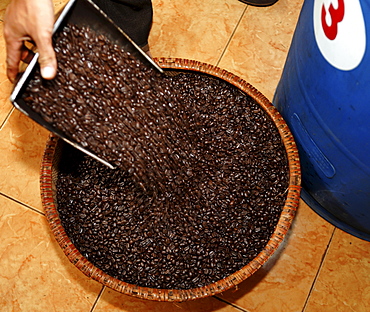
[134, 17]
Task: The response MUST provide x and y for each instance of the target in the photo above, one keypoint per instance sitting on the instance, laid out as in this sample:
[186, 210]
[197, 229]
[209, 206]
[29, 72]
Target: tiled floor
[317, 268]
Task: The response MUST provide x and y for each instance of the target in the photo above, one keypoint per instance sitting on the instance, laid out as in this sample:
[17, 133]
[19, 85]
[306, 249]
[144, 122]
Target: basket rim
[282, 227]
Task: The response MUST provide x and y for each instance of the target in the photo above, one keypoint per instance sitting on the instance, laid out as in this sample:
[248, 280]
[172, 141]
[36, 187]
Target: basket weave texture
[48, 177]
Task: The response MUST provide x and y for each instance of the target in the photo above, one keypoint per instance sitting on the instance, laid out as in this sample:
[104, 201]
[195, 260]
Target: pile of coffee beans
[201, 179]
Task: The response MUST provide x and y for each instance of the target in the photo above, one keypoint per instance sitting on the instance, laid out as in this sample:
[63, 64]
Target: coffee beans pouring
[112, 104]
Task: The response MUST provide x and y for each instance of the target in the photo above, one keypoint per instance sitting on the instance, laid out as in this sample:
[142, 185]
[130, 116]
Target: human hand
[29, 20]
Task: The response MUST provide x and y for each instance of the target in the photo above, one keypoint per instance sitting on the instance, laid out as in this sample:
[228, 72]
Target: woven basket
[48, 175]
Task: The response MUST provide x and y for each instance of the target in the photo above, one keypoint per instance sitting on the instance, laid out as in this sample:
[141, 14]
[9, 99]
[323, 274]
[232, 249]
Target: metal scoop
[80, 13]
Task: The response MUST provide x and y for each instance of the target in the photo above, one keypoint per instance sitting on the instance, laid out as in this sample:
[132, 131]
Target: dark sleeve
[133, 16]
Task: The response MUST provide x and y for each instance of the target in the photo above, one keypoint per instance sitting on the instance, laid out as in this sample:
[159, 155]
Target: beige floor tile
[344, 280]
[5, 106]
[284, 282]
[35, 274]
[3, 5]
[113, 301]
[258, 50]
[59, 4]
[22, 143]
[193, 29]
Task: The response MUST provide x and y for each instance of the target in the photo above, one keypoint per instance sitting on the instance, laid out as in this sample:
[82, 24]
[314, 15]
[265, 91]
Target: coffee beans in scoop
[113, 105]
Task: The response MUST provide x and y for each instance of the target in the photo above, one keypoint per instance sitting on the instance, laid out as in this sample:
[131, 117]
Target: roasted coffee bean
[202, 171]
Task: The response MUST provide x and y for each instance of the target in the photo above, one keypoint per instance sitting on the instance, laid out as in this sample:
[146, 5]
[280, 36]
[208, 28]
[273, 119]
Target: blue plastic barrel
[324, 96]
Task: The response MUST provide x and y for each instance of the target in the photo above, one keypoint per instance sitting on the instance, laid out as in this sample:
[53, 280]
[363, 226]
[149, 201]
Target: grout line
[232, 304]
[231, 36]
[6, 118]
[21, 203]
[97, 299]
[318, 271]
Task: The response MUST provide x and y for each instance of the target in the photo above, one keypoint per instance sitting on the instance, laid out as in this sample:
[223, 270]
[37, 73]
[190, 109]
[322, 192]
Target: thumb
[47, 58]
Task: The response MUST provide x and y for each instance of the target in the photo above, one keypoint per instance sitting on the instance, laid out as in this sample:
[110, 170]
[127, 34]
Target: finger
[47, 58]
[13, 59]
